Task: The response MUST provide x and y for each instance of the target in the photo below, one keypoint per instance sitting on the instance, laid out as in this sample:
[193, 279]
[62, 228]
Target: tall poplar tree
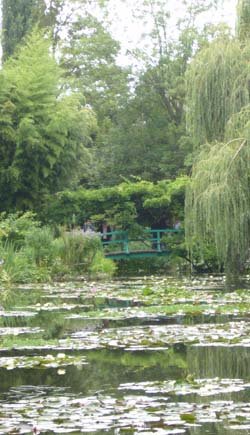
[243, 20]
[18, 18]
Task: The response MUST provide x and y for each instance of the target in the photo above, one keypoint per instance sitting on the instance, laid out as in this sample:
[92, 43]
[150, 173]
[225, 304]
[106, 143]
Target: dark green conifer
[243, 20]
[18, 18]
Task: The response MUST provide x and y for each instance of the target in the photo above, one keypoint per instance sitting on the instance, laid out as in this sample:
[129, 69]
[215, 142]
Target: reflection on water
[144, 372]
[219, 361]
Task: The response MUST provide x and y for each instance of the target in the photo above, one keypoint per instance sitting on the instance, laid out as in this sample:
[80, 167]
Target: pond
[140, 356]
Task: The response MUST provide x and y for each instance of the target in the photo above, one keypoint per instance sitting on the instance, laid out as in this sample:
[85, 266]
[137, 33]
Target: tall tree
[217, 87]
[89, 57]
[218, 200]
[148, 138]
[18, 18]
[243, 20]
[57, 16]
[43, 132]
[161, 21]
[60, 14]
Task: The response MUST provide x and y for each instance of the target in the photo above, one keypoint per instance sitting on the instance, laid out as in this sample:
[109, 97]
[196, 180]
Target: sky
[129, 31]
[123, 18]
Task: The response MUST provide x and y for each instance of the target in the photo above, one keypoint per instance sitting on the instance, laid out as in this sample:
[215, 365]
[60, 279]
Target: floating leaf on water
[135, 320]
[189, 418]
[36, 362]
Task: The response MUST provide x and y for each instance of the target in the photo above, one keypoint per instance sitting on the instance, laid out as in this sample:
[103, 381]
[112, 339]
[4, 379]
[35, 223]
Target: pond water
[139, 356]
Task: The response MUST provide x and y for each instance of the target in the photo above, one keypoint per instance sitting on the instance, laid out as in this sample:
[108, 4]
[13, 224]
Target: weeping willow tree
[217, 87]
[218, 202]
[218, 115]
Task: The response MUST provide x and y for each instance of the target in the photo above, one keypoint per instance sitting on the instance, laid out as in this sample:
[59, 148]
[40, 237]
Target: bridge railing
[114, 238]
[149, 239]
[156, 237]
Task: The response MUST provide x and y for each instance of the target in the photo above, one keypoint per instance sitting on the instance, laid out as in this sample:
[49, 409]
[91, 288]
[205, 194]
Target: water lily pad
[61, 414]
[41, 361]
[18, 331]
[120, 332]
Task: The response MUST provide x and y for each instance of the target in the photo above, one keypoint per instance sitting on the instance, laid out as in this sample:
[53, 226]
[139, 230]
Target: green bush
[31, 253]
[17, 266]
[39, 242]
[102, 266]
[15, 227]
[77, 249]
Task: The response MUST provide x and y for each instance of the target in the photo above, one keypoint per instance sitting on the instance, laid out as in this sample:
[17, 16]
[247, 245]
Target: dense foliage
[217, 88]
[30, 252]
[123, 206]
[38, 124]
[217, 205]
[19, 16]
[82, 136]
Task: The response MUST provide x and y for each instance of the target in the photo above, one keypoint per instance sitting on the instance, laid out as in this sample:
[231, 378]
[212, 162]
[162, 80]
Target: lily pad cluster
[141, 413]
[162, 336]
[41, 361]
[149, 355]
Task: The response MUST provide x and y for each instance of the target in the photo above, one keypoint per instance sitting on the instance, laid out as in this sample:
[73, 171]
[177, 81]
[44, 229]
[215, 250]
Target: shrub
[15, 227]
[31, 253]
[77, 249]
[40, 244]
[102, 266]
[16, 266]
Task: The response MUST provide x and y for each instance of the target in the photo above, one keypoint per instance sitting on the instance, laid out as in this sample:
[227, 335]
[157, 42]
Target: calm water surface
[146, 356]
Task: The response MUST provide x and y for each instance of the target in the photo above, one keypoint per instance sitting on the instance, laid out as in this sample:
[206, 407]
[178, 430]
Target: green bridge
[148, 243]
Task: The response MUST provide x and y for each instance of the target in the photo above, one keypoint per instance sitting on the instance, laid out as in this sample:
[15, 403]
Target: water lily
[61, 355]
